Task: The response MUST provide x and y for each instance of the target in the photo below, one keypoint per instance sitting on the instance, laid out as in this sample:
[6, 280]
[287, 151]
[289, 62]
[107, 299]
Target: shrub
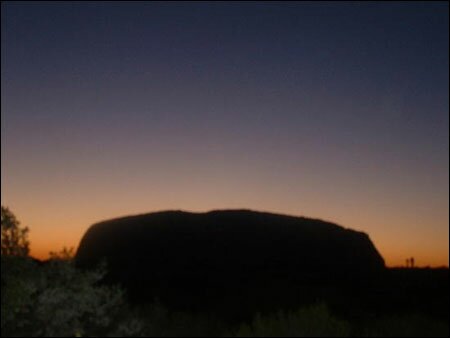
[406, 326]
[54, 299]
[314, 321]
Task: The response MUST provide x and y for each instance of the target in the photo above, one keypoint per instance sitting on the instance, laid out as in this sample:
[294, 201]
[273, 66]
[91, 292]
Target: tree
[14, 237]
[16, 267]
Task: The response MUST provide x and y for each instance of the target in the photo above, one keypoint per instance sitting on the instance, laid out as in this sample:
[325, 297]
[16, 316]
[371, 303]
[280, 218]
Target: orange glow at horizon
[404, 218]
[42, 248]
[48, 234]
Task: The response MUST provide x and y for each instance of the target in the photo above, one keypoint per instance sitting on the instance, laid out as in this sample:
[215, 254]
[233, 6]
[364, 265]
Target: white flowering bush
[54, 298]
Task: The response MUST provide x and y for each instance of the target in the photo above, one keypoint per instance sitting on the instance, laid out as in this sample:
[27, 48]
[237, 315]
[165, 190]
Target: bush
[54, 299]
[406, 326]
[314, 321]
[160, 322]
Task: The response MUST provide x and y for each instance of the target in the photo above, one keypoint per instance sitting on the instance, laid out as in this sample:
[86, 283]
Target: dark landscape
[220, 273]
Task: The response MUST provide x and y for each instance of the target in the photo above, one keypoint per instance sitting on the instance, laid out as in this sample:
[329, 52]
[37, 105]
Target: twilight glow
[331, 111]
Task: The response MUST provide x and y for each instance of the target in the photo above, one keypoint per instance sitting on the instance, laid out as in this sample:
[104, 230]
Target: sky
[337, 111]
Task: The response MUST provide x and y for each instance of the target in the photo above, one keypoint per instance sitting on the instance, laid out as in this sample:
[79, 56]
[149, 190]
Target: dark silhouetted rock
[207, 260]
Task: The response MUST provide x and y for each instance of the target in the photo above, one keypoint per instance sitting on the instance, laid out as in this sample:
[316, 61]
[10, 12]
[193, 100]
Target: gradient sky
[333, 111]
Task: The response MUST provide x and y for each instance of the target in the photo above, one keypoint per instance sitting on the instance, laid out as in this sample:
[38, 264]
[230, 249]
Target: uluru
[205, 260]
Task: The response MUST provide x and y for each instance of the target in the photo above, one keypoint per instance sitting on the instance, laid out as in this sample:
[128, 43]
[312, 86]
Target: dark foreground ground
[55, 299]
[400, 302]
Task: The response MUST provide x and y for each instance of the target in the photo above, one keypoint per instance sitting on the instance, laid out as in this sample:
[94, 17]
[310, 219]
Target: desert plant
[314, 321]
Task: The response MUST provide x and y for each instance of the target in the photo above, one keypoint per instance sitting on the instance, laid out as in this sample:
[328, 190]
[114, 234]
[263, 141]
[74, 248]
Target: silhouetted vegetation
[55, 298]
[14, 237]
